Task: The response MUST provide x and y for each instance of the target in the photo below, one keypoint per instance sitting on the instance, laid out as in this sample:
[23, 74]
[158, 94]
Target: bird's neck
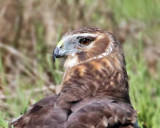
[105, 76]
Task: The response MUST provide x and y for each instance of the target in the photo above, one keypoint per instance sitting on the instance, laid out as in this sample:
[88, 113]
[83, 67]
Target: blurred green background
[29, 30]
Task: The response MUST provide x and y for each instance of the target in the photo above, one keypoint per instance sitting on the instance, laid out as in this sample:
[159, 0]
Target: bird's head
[84, 45]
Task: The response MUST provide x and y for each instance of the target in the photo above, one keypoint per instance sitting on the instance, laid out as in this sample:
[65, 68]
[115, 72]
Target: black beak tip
[53, 58]
[55, 54]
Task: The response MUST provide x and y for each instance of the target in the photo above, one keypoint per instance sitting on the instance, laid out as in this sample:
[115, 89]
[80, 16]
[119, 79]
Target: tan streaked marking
[119, 76]
[117, 63]
[81, 69]
[105, 121]
[67, 75]
[111, 83]
[108, 63]
[97, 65]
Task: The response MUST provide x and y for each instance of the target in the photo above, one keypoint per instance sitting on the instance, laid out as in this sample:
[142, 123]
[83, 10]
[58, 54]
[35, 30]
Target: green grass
[3, 123]
[144, 89]
[144, 10]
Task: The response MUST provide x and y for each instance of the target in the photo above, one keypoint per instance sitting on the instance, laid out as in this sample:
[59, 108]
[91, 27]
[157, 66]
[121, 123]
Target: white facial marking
[79, 34]
[109, 49]
[73, 54]
[71, 62]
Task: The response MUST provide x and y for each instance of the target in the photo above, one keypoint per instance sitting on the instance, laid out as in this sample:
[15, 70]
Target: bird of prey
[94, 93]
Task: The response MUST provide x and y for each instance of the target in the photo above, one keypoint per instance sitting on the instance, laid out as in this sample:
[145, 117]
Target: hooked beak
[55, 53]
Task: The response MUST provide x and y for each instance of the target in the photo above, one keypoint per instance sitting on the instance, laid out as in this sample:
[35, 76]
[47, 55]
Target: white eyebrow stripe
[80, 34]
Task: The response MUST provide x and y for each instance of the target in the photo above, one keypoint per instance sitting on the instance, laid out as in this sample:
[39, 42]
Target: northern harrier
[94, 92]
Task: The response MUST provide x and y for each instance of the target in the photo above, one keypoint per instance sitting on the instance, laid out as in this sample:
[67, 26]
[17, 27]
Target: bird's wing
[102, 113]
[88, 113]
[43, 114]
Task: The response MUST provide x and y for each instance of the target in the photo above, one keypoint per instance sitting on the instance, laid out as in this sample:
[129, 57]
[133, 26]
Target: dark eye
[85, 41]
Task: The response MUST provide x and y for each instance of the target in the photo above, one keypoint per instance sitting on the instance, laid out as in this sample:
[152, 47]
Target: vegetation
[28, 36]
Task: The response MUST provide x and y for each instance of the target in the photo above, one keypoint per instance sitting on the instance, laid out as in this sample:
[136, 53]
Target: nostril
[61, 46]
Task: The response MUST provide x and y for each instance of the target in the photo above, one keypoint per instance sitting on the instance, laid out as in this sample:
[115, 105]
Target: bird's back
[88, 113]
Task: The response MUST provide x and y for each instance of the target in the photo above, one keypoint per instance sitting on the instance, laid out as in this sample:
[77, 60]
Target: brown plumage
[94, 90]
